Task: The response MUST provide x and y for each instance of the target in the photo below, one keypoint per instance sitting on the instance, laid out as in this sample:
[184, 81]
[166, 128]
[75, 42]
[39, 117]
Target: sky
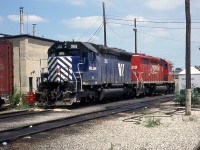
[160, 24]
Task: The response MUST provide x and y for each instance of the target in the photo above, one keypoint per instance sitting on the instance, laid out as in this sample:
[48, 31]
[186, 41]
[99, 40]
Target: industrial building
[29, 60]
[195, 78]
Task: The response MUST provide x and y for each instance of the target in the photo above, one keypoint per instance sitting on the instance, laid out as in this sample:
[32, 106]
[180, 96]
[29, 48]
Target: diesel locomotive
[81, 72]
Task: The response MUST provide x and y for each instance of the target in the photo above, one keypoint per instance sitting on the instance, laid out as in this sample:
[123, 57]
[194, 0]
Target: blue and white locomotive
[81, 71]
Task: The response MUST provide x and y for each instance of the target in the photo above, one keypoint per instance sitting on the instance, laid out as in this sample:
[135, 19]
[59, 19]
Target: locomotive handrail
[137, 78]
[76, 80]
[80, 72]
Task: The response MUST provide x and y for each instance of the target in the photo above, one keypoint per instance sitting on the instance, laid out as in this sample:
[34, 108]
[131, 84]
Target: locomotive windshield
[63, 52]
[84, 50]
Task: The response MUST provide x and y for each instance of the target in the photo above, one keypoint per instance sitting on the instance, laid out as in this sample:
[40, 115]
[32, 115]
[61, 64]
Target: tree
[197, 67]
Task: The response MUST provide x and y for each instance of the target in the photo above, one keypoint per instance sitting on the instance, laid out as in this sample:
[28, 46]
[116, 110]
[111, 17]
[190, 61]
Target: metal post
[135, 29]
[104, 24]
[187, 55]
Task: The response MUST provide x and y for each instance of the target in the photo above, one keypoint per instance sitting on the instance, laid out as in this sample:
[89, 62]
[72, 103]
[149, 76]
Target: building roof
[26, 36]
[192, 69]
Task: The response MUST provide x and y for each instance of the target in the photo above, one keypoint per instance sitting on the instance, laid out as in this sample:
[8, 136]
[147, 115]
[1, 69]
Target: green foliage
[15, 98]
[197, 67]
[112, 147]
[181, 97]
[192, 119]
[142, 148]
[152, 122]
[146, 112]
[17, 101]
[115, 146]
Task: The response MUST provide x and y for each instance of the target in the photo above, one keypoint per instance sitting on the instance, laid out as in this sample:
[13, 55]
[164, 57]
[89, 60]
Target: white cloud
[71, 2]
[131, 17]
[31, 18]
[84, 22]
[14, 17]
[163, 4]
[76, 2]
[77, 38]
[35, 19]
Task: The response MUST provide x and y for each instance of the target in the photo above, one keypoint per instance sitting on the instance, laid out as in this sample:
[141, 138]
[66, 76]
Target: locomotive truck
[81, 72]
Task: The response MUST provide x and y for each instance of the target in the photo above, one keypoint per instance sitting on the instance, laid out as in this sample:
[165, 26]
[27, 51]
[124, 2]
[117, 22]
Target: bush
[181, 97]
[152, 122]
[15, 98]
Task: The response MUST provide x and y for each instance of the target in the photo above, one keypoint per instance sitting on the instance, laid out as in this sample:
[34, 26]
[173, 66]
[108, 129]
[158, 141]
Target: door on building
[30, 84]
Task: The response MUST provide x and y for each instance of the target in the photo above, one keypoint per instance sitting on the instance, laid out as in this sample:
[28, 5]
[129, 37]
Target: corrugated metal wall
[6, 68]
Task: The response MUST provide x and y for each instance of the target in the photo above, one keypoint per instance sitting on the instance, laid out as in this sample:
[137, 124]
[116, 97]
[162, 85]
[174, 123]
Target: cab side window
[92, 56]
[165, 66]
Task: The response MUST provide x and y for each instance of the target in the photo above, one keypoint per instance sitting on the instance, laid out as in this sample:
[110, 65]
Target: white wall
[195, 81]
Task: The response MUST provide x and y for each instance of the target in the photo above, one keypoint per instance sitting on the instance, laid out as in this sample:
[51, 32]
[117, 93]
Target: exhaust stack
[34, 29]
[21, 20]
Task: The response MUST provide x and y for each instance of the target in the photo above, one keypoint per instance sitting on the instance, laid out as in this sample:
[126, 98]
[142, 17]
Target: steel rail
[20, 113]
[13, 134]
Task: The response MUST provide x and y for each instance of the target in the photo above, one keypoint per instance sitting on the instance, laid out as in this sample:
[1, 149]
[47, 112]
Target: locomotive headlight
[45, 80]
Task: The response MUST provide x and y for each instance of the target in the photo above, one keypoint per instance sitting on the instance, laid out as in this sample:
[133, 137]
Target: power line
[159, 27]
[151, 21]
[161, 37]
[121, 23]
[166, 38]
[86, 31]
[146, 34]
[97, 31]
[165, 27]
[117, 33]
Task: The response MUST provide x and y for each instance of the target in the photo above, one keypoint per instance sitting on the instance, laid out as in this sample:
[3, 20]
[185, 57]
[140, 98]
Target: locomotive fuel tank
[111, 93]
[159, 89]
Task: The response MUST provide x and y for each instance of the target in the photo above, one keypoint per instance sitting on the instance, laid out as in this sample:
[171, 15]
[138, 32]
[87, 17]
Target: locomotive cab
[70, 66]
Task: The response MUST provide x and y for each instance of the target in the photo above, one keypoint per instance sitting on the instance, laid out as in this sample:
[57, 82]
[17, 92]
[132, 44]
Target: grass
[189, 119]
[152, 122]
[115, 147]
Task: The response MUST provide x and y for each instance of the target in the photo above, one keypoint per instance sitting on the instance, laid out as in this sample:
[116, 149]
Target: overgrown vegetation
[152, 122]
[195, 97]
[148, 119]
[115, 146]
[17, 100]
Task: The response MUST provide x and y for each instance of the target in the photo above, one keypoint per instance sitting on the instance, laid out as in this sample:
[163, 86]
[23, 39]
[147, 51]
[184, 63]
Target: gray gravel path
[124, 131]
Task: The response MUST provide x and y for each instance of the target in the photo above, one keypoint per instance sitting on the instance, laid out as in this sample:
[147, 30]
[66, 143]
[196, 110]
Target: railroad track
[15, 133]
[20, 113]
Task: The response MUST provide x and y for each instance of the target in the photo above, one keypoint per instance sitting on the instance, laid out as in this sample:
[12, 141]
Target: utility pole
[104, 24]
[187, 56]
[135, 29]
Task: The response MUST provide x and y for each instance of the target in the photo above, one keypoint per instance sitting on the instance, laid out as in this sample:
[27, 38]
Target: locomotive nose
[60, 69]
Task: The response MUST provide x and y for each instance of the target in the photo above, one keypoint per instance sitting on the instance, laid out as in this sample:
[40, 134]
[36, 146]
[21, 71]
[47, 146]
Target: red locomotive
[151, 74]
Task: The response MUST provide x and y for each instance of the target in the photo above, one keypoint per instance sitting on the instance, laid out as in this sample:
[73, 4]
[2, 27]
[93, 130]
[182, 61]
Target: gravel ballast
[125, 131]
